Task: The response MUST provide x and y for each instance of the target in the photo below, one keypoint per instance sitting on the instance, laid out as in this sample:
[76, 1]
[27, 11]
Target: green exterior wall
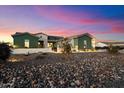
[80, 42]
[20, 40]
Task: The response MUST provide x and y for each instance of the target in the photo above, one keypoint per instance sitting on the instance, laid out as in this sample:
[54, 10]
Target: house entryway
[52, 45]
[41, 44]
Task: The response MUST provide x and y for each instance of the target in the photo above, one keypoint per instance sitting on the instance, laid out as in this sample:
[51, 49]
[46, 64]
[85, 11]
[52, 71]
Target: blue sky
[104, 22]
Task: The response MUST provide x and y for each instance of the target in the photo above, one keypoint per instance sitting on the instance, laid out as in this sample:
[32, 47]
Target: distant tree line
[107, 47]
[111, 49]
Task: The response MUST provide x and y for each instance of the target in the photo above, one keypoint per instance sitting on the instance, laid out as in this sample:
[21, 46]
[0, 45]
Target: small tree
[5, 51]
[66, 49]
[66, 46]
[113, 49]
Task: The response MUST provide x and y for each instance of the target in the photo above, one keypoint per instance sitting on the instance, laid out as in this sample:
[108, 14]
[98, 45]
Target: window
[26, 43]
[50, 44]
[85, 42]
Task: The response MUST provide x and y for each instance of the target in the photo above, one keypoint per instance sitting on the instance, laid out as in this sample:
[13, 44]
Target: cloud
[59, 14]
[81, 18]
[118, 29]
[76, 23]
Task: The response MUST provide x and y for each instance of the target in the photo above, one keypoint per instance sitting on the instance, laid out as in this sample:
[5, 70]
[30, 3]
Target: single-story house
[82, 42]
[38, 40]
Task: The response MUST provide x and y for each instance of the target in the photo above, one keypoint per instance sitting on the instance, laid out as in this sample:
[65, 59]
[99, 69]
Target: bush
[5, 51]
[40, 57]
[44, 53]
[113, 49]
[99, 48]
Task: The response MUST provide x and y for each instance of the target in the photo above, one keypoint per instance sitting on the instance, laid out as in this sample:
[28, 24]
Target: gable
[41, 36]
[84, 39]
[23, 34]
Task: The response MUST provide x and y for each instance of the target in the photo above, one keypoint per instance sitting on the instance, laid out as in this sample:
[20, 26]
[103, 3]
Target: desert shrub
[44, 53]
[40, 57]
[99, 48]
[2, 61]
[121, 48]
[113, 49]
[84, 49]
[5, 51]
[93, 49]
[74, 50]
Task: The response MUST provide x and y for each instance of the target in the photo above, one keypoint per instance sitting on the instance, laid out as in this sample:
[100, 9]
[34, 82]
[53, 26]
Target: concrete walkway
[31, 50]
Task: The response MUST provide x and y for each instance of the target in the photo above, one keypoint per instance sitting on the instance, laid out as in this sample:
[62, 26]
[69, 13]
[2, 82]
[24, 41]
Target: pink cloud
[84, 18]
[56, 13]
[118, 29]
[61, 31]
[9, 31]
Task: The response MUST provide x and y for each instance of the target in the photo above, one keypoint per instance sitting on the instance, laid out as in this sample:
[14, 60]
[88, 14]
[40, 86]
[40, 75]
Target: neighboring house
[101, 44]
[83, 42]
[38, 40]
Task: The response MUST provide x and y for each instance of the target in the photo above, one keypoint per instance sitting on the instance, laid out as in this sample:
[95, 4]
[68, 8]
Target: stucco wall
[44, 38]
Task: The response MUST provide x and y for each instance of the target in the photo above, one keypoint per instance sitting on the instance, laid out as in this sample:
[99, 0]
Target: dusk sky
[104, 22]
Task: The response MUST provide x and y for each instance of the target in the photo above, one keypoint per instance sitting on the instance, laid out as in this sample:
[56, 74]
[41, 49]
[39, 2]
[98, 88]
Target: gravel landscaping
[53, 70]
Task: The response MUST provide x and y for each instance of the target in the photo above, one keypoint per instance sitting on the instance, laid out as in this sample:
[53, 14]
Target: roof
[39, 33]
[54, 38]
[76, 36]
[50, 38]
[19, 33]
[87, 34]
